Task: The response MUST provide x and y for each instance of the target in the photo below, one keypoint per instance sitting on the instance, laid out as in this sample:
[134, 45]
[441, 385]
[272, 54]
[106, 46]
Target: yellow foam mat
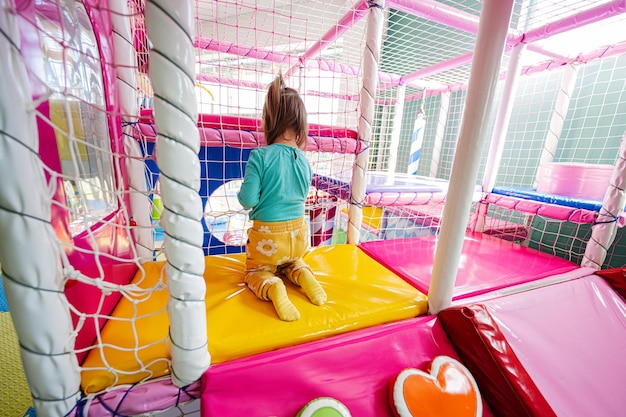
[361, 293]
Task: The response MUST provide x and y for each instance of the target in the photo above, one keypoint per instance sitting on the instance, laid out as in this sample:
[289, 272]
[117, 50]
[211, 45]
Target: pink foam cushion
[487, 263]
[570, 338]
[503, 380]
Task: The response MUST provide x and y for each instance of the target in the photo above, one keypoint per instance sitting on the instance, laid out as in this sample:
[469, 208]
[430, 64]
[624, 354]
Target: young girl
[275, 187]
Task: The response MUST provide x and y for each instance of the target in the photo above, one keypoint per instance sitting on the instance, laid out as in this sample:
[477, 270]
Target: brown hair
[283, 110]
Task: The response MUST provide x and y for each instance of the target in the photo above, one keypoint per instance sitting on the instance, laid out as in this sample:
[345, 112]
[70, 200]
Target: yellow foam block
[372, 216]
[361, 293]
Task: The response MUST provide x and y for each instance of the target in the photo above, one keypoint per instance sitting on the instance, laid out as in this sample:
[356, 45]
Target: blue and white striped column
[416, 142]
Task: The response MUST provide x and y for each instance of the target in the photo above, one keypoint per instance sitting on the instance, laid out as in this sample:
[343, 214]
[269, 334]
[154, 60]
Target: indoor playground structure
[466, 211]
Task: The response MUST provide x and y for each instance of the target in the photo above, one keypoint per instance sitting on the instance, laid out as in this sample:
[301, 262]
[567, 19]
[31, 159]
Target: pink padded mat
[487, 263]
[354, 368]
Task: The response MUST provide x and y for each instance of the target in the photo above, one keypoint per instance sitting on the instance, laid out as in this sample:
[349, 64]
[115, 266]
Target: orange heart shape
[448, 390]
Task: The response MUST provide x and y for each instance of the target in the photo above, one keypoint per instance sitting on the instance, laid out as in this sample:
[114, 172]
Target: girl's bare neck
[288, 138]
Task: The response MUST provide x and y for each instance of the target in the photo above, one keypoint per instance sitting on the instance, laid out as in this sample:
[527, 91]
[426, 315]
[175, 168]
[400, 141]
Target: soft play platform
[487, 263]
[356, 368]
[361, 293]
[555, 350]
[389, 189]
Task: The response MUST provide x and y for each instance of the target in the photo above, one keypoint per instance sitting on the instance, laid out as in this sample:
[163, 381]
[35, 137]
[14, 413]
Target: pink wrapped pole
[322, 219]
[329, 223]
[316, 217]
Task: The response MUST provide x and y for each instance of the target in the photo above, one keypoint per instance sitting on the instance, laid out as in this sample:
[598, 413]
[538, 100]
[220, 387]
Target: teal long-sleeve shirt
[276, 183]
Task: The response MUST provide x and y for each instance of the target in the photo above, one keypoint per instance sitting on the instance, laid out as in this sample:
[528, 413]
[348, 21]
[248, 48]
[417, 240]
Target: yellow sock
[311, 287]
[284, 307]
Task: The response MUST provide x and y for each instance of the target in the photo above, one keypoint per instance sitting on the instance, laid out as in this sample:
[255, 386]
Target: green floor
[15, 400]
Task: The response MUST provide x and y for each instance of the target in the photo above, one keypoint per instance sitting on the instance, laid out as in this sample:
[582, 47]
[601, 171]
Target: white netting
[104, 185]
[84, 155]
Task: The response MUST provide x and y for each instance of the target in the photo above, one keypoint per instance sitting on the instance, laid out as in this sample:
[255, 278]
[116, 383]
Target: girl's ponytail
[284, 109]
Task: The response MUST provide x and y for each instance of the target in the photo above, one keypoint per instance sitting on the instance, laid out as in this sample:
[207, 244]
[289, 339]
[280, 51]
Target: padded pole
[371, 55]
[501, 128]
[568, 81]
[416, 141]
[125, 68]
[490, 41]
[172, 70]
[32, 273]
[380, 145]
[503, 118]
[604, 229]
[440, 131]
[395, 129]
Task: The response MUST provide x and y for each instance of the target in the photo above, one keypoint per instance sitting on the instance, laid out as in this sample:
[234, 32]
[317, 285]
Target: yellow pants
[275, 250]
